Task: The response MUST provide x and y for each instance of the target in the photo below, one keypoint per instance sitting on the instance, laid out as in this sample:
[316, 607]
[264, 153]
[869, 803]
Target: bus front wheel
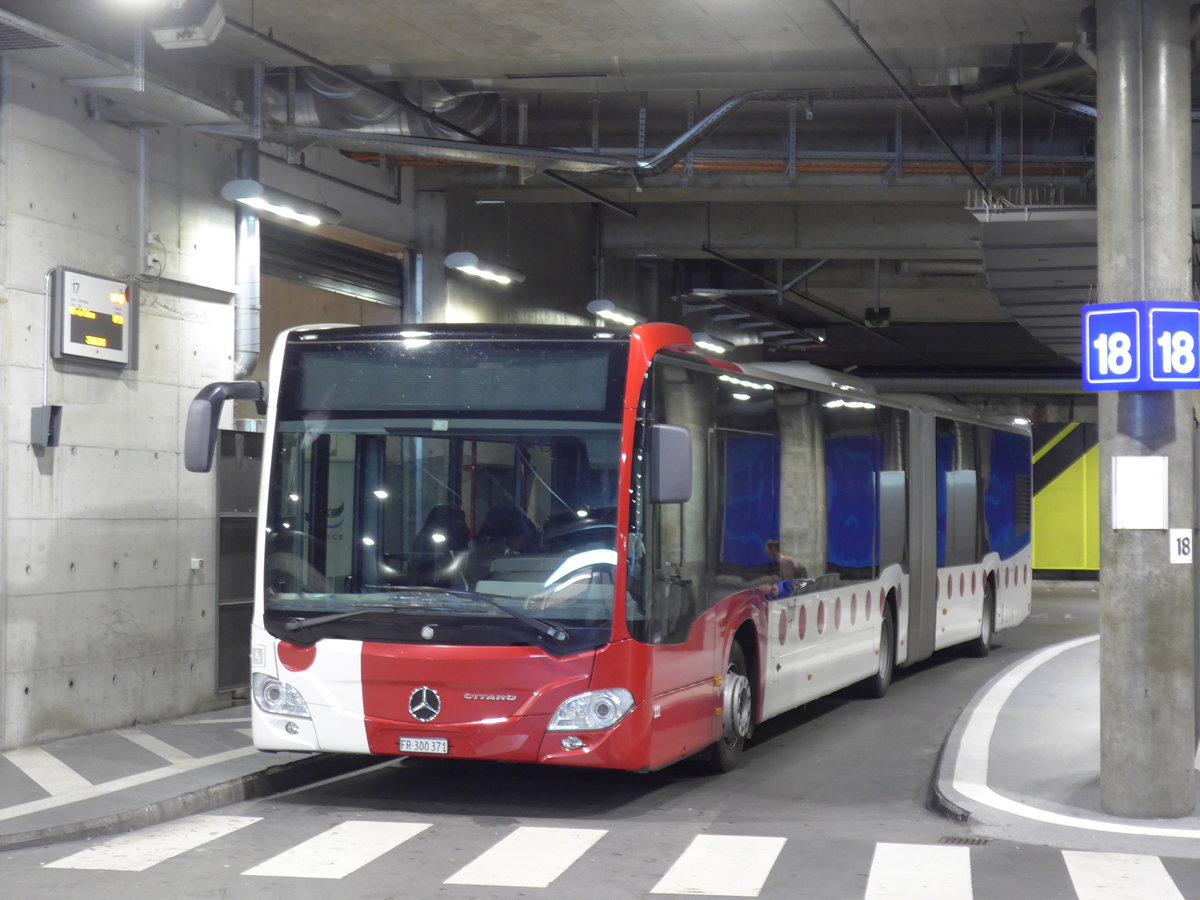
[737, 715]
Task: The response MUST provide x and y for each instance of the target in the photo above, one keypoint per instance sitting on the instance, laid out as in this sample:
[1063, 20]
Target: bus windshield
[457, 492]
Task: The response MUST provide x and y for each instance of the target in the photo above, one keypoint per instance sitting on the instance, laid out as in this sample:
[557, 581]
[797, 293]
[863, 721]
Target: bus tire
[982, 645]
[877, 685]
[737, 716]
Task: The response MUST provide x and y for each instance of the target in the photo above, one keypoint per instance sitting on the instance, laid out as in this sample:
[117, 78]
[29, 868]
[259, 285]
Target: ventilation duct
[323, 99]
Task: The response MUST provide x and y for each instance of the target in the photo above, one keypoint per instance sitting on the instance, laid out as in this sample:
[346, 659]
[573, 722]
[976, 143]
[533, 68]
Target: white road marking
[971, 761]
[53, 775]
[336, 853]
[529, 857]
[1119, 876]
[717, 865]
[88, 791]
[140, 850]
[931, 872]
[154, 745]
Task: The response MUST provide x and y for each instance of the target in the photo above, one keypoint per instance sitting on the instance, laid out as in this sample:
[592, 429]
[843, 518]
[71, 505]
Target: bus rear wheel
[877, 685]
[982, 645]
[737, 714]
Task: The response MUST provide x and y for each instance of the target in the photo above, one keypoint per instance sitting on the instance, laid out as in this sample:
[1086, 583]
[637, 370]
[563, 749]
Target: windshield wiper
[539, 625]
[299, 624]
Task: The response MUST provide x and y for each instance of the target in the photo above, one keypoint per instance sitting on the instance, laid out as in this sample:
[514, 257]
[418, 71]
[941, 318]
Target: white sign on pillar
[1139, 492]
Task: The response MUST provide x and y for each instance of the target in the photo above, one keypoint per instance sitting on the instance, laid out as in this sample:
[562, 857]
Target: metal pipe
[1016, 386]
[832, 310]
[590, 194]
[247, 303]
[47, 290]
[904, 92]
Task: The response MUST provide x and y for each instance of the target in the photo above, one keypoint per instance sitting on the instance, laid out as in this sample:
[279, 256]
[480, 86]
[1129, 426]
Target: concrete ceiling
[820, 166]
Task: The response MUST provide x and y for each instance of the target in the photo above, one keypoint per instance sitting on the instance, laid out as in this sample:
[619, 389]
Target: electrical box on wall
[44, 426]
[93, 319]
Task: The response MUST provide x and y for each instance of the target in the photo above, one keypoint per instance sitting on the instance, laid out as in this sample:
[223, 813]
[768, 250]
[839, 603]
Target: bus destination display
[93, 318]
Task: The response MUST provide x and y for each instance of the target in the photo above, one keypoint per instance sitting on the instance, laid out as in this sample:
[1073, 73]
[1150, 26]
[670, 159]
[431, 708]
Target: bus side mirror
[671, 464]
[204, 415]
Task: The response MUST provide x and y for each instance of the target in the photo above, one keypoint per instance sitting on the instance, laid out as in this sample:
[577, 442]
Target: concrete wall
[103, 622]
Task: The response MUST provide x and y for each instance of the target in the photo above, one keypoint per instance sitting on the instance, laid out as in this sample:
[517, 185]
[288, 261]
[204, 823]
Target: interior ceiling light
[257, 195]
[470, 264]
[606, 309]
[743, 382]
[710, 344]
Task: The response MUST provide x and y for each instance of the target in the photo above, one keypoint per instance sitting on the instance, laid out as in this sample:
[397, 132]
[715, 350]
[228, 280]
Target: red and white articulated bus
[550, 544]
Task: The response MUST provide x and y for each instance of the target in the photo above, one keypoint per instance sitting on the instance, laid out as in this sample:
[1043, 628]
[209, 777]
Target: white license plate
[424, 745]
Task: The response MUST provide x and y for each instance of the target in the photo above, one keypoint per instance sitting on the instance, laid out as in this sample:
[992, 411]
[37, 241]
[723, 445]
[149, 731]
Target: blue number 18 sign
[1142, 346]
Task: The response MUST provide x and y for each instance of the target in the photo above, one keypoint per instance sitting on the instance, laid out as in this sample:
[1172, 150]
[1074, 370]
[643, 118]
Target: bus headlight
[274, 696]
[593, 711]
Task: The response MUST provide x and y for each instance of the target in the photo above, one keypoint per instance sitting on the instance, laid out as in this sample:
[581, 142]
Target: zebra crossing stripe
[158, 747]
[529, 857]
[1119, 876]
[718, 865]
[931, 872]
[339, 851]
[52, 775]
[139, 851]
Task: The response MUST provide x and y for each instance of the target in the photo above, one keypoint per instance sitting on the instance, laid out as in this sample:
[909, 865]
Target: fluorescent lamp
[710, 344]
[606, 309]
[470, 264]
[257, 195]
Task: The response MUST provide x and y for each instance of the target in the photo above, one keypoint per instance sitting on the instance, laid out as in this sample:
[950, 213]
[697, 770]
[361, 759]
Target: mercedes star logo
[424, 704]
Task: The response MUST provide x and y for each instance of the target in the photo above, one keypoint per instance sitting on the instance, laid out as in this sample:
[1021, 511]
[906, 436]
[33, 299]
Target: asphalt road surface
[830, 802]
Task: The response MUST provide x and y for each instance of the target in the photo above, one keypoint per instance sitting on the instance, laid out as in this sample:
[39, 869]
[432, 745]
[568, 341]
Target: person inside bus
[789, 569]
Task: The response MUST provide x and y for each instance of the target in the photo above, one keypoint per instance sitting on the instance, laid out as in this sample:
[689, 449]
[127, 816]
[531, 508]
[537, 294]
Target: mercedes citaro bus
[549, 544]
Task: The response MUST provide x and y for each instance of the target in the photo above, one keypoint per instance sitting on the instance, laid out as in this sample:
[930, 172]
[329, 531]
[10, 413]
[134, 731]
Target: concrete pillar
[430, 242]
[1146, 626]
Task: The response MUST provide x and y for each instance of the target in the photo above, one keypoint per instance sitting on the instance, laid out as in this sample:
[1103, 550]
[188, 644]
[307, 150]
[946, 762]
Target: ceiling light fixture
[606, 309]
[255, 194]
[470, 264]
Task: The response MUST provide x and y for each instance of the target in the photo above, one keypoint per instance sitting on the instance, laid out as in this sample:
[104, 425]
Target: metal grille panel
[15, 39]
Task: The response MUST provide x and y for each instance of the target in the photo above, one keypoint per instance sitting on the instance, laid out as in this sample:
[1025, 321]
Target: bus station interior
[904, 193]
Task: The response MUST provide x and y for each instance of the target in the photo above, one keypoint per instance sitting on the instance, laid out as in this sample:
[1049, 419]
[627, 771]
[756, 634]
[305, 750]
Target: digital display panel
[93, 318]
